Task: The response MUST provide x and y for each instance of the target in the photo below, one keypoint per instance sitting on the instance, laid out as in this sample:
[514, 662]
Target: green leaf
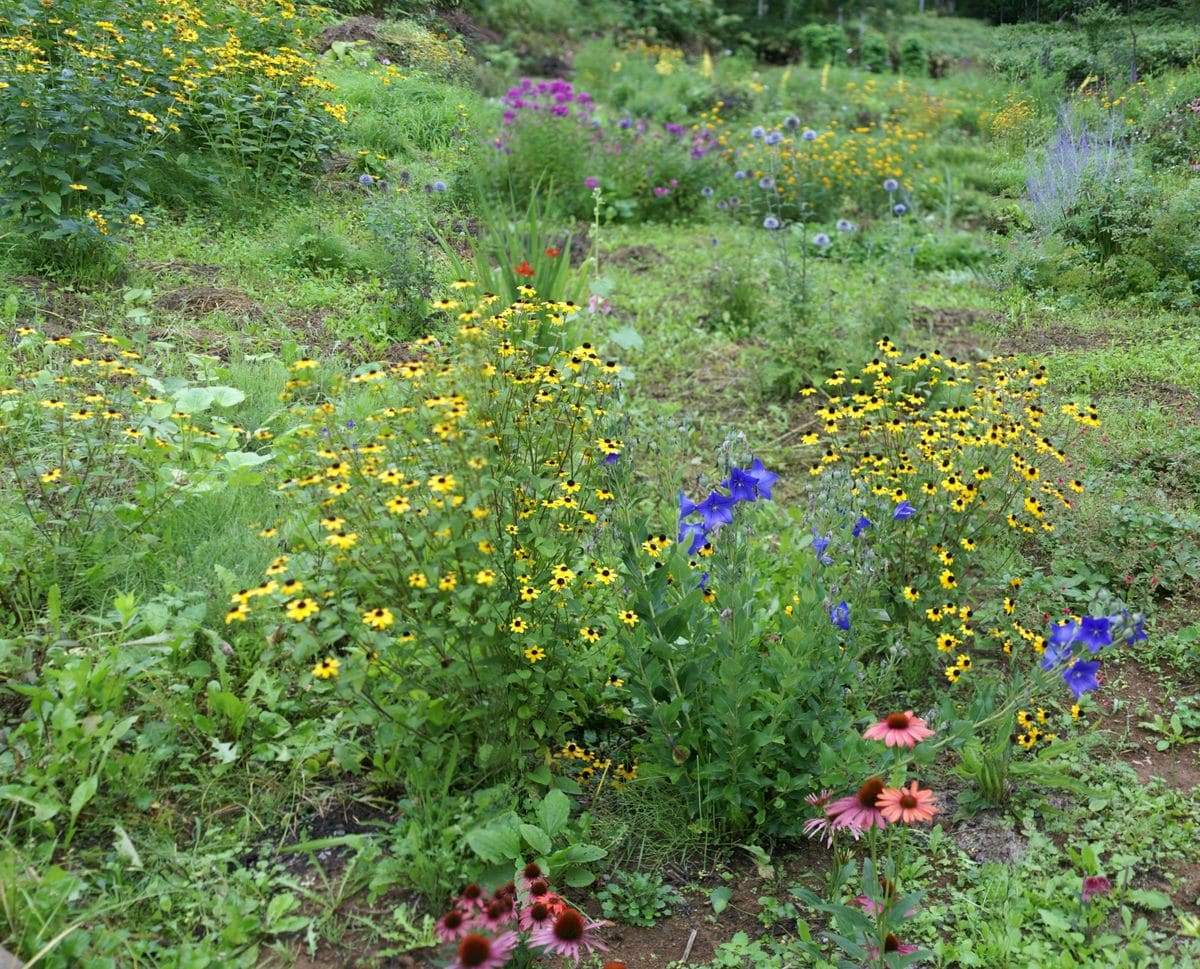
[1148, 899]
[245, 459]
[495, 845]
[627, 338]
[53, 202]
[536, 838]
[719, 898]
[553, 812]
[578, 877]
[84, 791]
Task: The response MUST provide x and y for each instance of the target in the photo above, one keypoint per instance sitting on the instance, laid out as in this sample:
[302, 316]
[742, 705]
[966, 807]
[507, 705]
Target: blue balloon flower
[839, 616]
[861, 525]
[1095, 633]
[1081, 677]
[903, 510]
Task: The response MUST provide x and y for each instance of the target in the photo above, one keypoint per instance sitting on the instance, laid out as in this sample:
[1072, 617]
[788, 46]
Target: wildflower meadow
[592, 483]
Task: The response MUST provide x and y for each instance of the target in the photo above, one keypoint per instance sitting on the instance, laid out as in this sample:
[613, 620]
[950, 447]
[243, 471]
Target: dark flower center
[498, 909]
[472, 891]
[539, 887]
[452, 919]
[907, 801]
[891, 944]
[897, 721]
[474, 950]
[569, 927]
[869, 793]
[539, 911]
[532, 870]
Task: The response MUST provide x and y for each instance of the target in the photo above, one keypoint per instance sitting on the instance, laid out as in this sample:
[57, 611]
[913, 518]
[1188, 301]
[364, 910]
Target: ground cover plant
[519, 486]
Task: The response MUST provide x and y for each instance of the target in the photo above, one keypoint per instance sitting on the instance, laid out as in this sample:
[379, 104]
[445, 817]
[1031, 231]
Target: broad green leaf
[84, 791]
[554, 811]
[719, 898]
[536, 838]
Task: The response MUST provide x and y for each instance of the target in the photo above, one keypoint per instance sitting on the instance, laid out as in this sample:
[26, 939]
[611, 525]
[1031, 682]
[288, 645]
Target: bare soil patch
[197, 302]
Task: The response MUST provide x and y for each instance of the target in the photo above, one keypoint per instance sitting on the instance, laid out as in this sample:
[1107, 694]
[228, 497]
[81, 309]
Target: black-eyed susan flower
[378, 618]
[535, 653]
[614, 681]
[238, 613]
[301, 609]
[342, 540]
[327, 668]
[629, 617]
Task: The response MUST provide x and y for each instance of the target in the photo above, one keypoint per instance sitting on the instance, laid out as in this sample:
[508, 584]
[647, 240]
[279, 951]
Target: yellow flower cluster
[1014, 118]
[962, 444]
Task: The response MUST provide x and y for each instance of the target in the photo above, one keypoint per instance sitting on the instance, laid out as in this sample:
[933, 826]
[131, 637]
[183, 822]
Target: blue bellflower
[1095, 633]
[903, 511]
[861, 525]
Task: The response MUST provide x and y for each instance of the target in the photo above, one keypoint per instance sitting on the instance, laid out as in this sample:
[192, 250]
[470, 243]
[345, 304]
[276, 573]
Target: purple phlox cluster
[1067, 640]
[556, 98]
[743, 484]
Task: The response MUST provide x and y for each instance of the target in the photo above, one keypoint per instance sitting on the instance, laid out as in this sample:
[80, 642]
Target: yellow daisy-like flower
[953, 673]
[238, 613]
[291, 587]
[529, 593]
[590, 634]
[963, 662]
[535, 653]
[327, 668]
[614, 681]
[442, 483]
[417, 580]
[518, 626]
[397, 505]
[605, 575]
[911, 594]
[52, 475]
[947, 579]
[629, 617]
[278, 566]
[447, 582]
[485, 577]
[301, 609]
[332, 524]
[378, 618]
[305, 363]
[342, 540]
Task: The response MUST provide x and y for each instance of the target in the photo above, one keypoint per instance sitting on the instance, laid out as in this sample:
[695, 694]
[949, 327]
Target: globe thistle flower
[739, 175]
[770, 222]
[845, 225]
[899, 209]
[774, 137]
[791, 122]
[366, 180]
[758, 131]
[766, 182]
[707, 191]
[809, 135]
[439, 186]
[821, 240]
[890, 185]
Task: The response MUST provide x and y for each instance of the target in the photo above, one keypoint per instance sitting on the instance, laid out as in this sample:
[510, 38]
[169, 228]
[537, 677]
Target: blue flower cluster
[1094, 632]
[749, 484]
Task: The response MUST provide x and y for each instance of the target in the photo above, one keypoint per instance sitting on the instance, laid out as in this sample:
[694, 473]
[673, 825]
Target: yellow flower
[485, 577]
[911, 594]
[518, 625]
[397, 505]
[237, 613]
[947, 579]
[342, 540]
[378, 618]
[136, 219]
[327, 668]
[78, 187]
[605, 575]
[447, 582]
[417, 580]
[529, 593]
[590, 633]
[629, 617]
[614, 681]
[51, 476]
[535, 653]
[301, 609]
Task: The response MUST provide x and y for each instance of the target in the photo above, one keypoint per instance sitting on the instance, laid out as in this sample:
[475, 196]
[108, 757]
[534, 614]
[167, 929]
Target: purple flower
[770, 222]
[753, 482]
[903, 511]
[1138, 633]
[899, 208]
[820, 240]
[686, 506]
[774, 137]
[758, 131]
[1055, 655]
[591, 182]
[890, 185]
[1095, 885]
[661, 190]
[839, 616]
[809, 135]
[845, 225]
[820, 543]
[439, 186]
[766, 182]
[707, 191]
[698, 533]
[739, 175]
[624, 123]
[861, 525]
[1065, 634]
[1081, 677]
[366, 180]
[675, 129]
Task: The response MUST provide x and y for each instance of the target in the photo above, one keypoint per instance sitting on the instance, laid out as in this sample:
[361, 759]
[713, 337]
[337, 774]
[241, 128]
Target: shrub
[914, 58]
[873, 54]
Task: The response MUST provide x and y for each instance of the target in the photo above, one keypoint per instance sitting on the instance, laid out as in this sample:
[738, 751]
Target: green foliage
[914, 58]
[636, 898]
[821, 44]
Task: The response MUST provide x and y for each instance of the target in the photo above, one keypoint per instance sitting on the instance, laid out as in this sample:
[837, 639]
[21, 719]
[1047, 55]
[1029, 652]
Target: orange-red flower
[908, 804]
[524, 269]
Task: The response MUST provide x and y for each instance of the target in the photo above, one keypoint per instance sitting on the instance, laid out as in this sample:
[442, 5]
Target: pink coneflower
[569, 936]
[1095, 885]
[531, 873]
[538, 888]
[498, 914]
[538, 915]
[480, 952]
[899, 730]
[874, 906]
[908, 804]
[472, 898]
[858, 810]
[819, 800]
[452, 926]
[892, 943]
